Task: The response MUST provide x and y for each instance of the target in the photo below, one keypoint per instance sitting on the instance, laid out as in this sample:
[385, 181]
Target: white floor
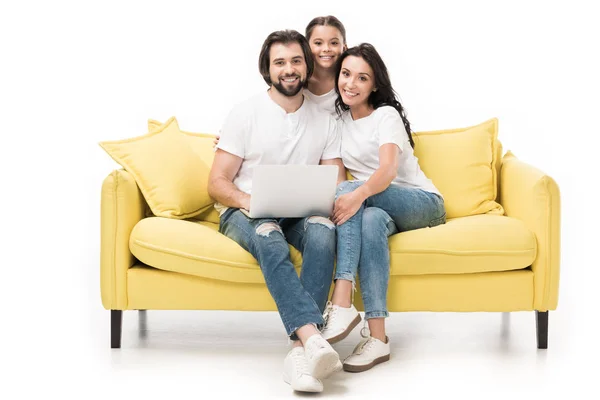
[57, 342]
[189, 354]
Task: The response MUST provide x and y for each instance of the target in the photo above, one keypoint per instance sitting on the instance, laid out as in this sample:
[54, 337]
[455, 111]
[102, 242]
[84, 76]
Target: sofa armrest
[533, 197]
[122, 207]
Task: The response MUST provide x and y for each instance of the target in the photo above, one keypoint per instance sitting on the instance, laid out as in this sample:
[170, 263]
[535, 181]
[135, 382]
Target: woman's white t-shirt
[361, 140]
[326, 102]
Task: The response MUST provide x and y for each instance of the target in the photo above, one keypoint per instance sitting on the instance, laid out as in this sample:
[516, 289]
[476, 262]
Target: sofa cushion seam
[199, 258]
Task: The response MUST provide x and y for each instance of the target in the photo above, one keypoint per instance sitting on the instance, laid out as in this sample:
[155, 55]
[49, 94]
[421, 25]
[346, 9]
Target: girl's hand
[346, 206]
[216, 141]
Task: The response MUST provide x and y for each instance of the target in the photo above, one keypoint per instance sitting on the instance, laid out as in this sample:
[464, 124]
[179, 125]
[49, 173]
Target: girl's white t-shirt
[361, 140]
[326, 102]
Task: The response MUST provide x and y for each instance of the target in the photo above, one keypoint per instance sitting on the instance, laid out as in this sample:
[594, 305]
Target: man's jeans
[362, 242]
[300, 301]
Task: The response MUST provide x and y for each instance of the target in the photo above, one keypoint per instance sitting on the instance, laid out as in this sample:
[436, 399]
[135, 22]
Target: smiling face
[287, 68]
[356, 82]
[326, 45]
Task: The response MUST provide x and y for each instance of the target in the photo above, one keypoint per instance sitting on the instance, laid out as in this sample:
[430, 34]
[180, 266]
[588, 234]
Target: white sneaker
[322, 359]
[339, 322]
[295, 372]
[368, 353]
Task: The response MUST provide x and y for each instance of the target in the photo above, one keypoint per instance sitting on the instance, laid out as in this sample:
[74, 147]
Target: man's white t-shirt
[325, 101]
[361, 140]
[262, 133]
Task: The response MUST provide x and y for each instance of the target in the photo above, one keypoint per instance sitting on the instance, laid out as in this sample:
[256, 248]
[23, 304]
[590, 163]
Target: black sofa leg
[541, 326]
[116, 323]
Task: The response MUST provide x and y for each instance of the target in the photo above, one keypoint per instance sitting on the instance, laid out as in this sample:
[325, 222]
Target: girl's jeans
[362, 243]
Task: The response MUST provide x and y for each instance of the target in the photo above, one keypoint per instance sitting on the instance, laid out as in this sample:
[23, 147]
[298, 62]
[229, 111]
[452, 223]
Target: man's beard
[291, 92]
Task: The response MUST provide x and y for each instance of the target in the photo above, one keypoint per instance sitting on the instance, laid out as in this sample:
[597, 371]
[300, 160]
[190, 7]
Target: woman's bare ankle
[342, 293]
[377, 329]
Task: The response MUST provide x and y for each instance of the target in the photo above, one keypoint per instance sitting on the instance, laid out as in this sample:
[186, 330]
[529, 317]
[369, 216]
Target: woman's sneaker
[339, 322]
[367, 354]
[322, 359]
[295, 372]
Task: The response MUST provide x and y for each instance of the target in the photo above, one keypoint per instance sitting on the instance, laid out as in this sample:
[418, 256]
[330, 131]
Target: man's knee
[265, 229]
[320, 231]
[317, 220]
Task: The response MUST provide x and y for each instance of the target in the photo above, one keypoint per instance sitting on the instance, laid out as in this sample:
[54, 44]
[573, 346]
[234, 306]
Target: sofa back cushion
[463, 164]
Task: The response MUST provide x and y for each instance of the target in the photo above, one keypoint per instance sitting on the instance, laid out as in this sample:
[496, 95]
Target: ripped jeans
[300, 300]
[362, 244]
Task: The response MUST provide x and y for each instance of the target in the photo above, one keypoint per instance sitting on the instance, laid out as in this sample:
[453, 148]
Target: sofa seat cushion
[478, 243]
[195, 248]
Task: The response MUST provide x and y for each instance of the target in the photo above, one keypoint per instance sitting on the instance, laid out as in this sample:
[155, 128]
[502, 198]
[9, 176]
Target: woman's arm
[348, 204]
[389, 156]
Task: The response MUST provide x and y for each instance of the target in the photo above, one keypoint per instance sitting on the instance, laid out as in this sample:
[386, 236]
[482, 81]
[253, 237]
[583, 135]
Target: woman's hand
[346, 206]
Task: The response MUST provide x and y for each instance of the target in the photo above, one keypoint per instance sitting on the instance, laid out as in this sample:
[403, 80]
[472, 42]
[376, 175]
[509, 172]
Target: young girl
[327, 39]
[390, 194]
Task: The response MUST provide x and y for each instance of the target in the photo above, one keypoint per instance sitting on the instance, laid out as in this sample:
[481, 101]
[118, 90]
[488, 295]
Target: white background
[76, 73]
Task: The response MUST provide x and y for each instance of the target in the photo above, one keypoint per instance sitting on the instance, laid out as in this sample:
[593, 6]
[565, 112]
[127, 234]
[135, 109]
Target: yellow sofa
[498, 251]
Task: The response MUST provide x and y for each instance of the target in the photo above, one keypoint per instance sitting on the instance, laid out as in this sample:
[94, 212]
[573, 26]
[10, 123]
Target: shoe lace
[367, 342]
[329, 314]
[301, 364]
[365, 332]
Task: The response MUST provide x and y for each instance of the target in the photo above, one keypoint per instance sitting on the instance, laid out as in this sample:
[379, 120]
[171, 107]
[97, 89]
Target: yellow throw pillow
[463, 165]
[202, 144]
[169, 174]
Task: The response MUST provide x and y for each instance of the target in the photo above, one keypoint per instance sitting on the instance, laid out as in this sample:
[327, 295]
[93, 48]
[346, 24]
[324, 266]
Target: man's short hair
[285, 37]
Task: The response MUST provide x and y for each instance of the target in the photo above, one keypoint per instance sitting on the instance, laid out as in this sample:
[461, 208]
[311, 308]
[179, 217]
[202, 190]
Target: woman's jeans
[362, 243]
[300, 301]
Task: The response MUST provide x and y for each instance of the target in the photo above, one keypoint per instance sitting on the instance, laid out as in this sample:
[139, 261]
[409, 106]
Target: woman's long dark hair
[384, 95]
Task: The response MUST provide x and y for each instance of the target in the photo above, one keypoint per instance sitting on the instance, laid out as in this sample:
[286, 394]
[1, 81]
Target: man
[280, 126]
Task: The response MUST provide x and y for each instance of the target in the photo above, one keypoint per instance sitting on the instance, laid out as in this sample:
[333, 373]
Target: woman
[390, 194]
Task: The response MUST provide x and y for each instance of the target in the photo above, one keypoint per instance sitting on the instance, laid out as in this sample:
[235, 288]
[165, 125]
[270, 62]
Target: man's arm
[341, 168]
[220, 181]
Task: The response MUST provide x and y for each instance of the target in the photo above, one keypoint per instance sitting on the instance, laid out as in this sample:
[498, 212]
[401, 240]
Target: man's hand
[346, 206]
[245, 202]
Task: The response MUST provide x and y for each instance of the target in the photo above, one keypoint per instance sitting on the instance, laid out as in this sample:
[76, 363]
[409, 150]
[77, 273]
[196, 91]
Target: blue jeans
[362, 244]
[300, 300]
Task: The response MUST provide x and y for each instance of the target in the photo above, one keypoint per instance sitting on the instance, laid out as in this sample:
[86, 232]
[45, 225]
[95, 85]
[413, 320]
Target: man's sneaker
[322, 359]
[295, 372]
[367, 354]
[339, 322]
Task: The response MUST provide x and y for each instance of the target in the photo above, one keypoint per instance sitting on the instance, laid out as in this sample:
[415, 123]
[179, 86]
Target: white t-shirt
[325, 101]
[361, 140]
[261, 132]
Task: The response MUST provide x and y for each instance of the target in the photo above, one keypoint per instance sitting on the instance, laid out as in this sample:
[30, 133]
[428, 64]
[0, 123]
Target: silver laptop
[292, 191]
